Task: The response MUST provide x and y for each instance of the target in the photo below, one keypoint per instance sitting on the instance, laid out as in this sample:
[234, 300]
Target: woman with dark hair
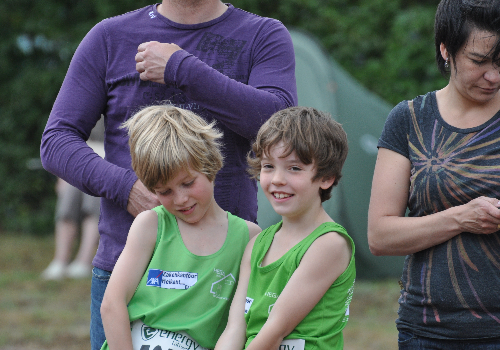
[439, 158]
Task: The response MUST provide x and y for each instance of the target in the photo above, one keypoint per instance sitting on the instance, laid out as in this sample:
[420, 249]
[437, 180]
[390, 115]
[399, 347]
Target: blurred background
[355, 59]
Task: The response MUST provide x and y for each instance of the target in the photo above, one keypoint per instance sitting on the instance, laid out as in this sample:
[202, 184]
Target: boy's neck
[208, 235]
[302, 226]
[291, 233]
[214, 215]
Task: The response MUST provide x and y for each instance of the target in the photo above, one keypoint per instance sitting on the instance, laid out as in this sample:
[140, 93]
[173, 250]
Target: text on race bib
[292, 344]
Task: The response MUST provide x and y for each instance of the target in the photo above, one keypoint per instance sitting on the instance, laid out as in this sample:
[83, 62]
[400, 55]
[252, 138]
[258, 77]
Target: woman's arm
[391, 233]
[125, 278]
[325, 260]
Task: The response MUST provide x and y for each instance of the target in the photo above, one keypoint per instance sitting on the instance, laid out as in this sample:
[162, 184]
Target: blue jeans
[100, 279]
[409, 341]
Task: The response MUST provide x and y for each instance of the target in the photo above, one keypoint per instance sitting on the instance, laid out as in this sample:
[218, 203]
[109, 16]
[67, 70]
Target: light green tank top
[322, 327]
[181, 291]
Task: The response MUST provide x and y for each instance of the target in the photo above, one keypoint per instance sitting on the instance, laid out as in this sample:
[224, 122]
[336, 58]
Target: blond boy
[173, 283]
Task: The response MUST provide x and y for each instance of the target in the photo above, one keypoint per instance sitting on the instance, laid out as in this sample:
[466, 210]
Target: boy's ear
[327, 183]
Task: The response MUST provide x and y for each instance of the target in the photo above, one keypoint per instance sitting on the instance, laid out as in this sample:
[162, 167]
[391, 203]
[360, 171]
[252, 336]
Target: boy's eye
[267, 166]
[165, 193]
[188, 184]
[295, 168]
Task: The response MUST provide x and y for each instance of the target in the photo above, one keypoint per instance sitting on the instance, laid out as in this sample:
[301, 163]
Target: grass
[43, 315]
[373, 312]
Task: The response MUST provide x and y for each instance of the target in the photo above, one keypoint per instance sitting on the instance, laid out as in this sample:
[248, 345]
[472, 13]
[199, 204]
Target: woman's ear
[444, 52]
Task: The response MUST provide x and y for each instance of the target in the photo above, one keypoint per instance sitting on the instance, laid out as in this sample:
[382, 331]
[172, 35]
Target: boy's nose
[180, 198]
[278, 177]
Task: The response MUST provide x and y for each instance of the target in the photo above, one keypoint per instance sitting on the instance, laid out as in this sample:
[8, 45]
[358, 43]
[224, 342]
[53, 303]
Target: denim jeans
[100, 279]
[409, 341]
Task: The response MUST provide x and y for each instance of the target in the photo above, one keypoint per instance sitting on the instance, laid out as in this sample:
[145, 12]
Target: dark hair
[313, 135]
[455, 20]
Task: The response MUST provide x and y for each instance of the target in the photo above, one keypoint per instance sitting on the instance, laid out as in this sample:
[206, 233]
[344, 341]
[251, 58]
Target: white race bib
[293, 344]
[248, 303]
[148, 338]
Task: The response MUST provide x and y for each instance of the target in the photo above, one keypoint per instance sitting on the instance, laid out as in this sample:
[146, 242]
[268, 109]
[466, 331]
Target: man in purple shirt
[221, 62]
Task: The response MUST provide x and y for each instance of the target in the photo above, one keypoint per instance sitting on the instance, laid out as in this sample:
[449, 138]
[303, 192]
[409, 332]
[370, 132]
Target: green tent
[324, 85]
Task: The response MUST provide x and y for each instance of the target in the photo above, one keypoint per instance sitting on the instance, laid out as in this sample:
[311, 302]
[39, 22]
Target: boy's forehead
[286, 153]
[281, 150]
[178, 176]
[278, 150]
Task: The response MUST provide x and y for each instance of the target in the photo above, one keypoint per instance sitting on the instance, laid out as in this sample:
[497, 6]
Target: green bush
[38, 41]
[386, 45]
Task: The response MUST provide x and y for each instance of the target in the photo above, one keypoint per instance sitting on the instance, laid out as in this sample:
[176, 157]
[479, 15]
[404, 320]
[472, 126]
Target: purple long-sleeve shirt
[237, 69]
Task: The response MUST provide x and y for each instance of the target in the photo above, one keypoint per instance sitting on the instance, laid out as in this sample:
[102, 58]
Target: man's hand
[151, 60]
[140, 199]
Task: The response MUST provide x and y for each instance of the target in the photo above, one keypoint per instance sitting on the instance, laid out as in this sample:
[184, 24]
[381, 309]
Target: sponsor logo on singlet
[171, 279]
[223, 287]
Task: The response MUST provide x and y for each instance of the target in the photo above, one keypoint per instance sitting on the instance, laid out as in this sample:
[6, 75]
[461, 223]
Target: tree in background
[386, 45]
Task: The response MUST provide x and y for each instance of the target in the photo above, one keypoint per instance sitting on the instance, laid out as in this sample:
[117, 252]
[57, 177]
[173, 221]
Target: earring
[446, 64]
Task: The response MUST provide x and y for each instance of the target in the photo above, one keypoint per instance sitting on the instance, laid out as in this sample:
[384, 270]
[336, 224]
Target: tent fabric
[324, 85]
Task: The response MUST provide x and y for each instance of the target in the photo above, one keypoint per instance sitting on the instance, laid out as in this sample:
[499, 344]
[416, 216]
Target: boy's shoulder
[330, 254]
[146, 216]
[330, 228]
[334, 241]
[335, 236]
[253, 229]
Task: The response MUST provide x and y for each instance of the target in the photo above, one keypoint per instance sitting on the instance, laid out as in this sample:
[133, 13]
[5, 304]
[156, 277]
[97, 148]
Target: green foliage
[386, 45]
[38, 41]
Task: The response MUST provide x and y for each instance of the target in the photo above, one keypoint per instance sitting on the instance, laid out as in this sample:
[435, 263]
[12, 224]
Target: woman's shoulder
[418, 107]
[404, 106]
[425, 101]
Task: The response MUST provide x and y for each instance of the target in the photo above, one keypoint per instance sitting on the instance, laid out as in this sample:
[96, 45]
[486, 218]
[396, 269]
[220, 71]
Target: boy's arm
[234, 336]
[125, 278]
[325, 260]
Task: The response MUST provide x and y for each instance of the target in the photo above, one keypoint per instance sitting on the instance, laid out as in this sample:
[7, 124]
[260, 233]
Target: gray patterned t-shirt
[450, 291]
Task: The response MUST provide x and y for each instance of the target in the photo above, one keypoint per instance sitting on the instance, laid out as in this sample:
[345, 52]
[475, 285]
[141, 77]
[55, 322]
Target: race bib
[248, 303]
[293, 344]
[148, 338]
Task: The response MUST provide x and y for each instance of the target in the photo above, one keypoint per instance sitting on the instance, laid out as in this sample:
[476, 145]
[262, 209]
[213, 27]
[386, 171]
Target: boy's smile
[281, 195]
[188, 211]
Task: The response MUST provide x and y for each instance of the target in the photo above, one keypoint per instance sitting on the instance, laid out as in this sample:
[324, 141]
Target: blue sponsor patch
[154, 278]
